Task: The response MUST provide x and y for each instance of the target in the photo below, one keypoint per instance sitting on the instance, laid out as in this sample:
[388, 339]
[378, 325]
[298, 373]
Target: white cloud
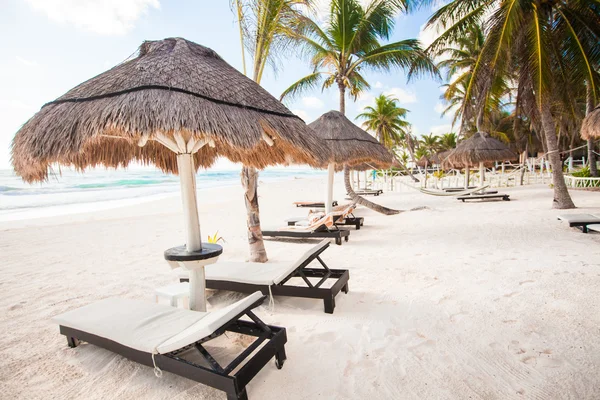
[302, 114]
[26, 62]
[440, 129]
[378, 85]
[105, 17]
[439, 108]
[403, 96]
[312, 102]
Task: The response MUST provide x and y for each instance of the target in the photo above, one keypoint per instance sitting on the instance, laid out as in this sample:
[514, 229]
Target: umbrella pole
[187, 174]
[467, 173]
[329, 191]
[481, 173]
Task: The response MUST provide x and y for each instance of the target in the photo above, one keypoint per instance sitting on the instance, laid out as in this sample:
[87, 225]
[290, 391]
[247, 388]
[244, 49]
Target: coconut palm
[430, 143]
[460, 58]
[264, 31]
[387, 120]
[448, 141]
[350, 44]
[544, 45]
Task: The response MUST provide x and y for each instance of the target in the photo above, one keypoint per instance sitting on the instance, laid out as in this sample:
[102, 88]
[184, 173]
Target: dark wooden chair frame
[322, 232]
[317, 204]
[350, 220]
[581, 225]
[504, 197]
[217, 376]
[311, 291]
[369, 192]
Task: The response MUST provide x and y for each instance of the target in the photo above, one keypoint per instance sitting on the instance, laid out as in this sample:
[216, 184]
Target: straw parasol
[423, 162]
[347, 145]
[478, 150]
[590, 128]
[177, 105]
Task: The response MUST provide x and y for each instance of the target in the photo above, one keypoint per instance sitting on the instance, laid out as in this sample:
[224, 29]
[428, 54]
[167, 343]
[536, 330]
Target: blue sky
[50, 46]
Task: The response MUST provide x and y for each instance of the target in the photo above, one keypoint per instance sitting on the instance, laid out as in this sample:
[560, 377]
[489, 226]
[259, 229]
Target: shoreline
[54, 210]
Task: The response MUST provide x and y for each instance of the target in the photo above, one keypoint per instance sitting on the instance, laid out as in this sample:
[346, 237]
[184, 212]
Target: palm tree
[461, 58]
[430, 143]
[543, 45]
[448, 141]
[349, 45]
[264, 31]
[387, 120]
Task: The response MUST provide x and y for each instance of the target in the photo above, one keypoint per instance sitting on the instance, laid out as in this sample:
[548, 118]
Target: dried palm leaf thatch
[480, 147]
[590, 128]
[172, 89]
[423, 161]
[348, 144]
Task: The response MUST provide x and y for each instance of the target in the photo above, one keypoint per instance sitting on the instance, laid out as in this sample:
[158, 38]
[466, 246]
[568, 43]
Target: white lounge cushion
[594, 227]
[255, 273]
[149, 327]
[579, 218]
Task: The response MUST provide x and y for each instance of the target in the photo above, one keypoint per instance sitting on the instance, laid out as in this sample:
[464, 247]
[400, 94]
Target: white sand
[495, 300]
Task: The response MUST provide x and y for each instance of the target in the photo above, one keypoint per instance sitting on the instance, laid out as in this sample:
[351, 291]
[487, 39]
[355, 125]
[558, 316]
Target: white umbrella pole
[187, 174]
[481, 173]
[185, 163]
[329, 189]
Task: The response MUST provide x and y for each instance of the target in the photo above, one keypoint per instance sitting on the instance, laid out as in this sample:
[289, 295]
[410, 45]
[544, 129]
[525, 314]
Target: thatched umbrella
[590, 128]
[423, 162]
[477, 150]
[348, 145]
[177, 105]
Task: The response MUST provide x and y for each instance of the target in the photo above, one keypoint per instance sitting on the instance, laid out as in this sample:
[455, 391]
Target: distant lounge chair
[342, 216]
[457, 189]
[274, 278]
[324, 228]
[172, 339]
[368, 192]
[582, 221]
[315, 204]
[474, 196]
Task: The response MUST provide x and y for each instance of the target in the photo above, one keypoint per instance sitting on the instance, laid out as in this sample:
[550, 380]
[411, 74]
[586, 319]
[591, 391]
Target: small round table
[194, 262]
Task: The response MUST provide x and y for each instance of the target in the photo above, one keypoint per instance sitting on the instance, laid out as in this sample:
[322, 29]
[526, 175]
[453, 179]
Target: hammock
[452, 194]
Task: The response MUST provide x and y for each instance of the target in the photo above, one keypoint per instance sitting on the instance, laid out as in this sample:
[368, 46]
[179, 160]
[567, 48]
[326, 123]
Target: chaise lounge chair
[173, 339]
[457, 189]
[474, 196]
[368, 192]
[342, 216]
[323, 228]
[594, 227]
[314, 204]
[275, 278]
[582, 221]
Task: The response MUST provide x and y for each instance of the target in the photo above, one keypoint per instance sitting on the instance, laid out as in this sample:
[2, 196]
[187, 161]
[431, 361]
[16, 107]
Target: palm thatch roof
[348, 144]
[439, 157]
[480, 147]
[590, 128]
[173, 89]
[423, 161]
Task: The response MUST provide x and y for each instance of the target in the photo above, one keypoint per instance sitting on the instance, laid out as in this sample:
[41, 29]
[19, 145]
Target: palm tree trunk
[589, 107]
[353, 196]
[562, 199]
[255, 239]
[362, 201]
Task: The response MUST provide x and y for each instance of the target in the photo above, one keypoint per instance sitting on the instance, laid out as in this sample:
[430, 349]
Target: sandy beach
[494, 300]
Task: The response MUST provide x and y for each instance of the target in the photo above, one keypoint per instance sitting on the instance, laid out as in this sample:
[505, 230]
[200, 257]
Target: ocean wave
[122, 183]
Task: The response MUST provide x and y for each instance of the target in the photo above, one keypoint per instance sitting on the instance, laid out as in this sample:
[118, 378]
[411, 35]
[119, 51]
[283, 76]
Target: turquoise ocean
[71, 192]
